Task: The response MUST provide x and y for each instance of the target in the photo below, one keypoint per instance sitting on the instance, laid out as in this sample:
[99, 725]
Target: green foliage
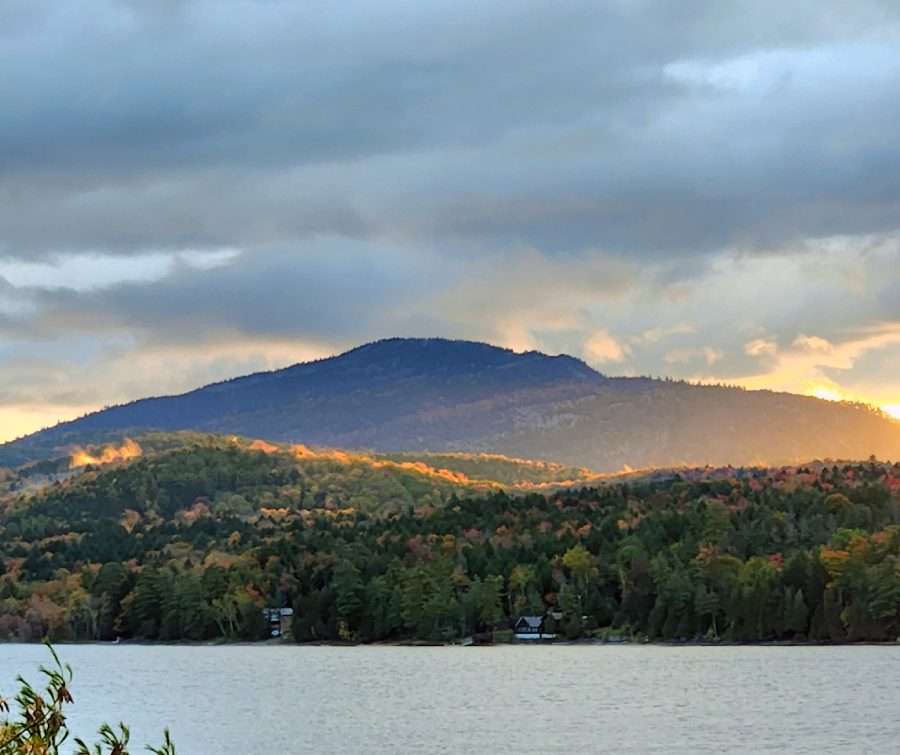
[194, 543]
[496, 468]
[40, 726]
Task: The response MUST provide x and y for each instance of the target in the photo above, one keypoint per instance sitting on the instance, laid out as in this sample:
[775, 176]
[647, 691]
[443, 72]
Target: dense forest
[192, 543]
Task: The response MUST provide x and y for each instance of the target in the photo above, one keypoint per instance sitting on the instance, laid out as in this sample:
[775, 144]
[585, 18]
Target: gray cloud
[564, 176]
[329, 291]
[567, 127]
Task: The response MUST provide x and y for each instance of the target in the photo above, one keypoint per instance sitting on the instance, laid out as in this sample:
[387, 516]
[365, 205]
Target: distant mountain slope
[440, 395]
[398, 394]
[652, 423]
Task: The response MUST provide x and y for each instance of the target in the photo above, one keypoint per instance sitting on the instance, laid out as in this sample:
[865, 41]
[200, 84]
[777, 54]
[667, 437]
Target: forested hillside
[364, 478]
[193, 542]
[436, 395]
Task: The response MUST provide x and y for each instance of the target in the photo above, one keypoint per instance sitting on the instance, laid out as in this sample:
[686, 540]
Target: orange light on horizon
[832, 393]
[826, 393]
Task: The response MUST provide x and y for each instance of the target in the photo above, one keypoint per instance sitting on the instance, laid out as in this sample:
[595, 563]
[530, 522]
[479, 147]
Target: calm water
[271, 700]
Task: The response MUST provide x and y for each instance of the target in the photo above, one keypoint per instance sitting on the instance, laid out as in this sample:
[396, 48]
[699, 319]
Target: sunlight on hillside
[483, 479]
[304, 452]
[128, 450]
[892, 409]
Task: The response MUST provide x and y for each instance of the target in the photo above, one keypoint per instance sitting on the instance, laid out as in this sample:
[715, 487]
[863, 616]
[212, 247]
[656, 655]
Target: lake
[246, 700]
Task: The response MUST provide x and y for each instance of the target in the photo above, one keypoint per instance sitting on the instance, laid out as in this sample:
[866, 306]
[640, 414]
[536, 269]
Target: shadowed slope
[440, 395]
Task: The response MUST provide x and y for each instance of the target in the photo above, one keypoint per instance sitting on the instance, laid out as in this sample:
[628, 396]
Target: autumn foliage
[193, 543]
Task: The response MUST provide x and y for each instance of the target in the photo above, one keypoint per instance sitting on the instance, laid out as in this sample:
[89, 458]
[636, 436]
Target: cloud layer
[192, 188]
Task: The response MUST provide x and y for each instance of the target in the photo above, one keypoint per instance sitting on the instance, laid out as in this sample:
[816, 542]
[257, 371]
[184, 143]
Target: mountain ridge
[411, 394]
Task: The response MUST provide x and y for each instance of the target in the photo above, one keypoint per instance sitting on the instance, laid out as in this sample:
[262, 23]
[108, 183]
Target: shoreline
[425, 644]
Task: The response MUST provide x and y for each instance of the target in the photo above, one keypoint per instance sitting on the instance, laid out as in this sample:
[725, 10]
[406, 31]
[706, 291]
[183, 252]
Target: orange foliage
[882, 538]
[129, 519]
[448, 545]
[195, 512]
[833, 560]
[858, 546]
[261, 445]
[274, 513]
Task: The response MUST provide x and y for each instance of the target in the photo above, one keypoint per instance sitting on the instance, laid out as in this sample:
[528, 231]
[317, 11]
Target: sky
[196, 189]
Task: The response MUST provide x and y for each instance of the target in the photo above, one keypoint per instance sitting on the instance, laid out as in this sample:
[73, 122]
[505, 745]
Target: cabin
[279, 620]
[531, 628]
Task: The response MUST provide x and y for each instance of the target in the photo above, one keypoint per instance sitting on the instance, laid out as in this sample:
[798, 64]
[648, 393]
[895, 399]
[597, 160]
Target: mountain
[441, 395]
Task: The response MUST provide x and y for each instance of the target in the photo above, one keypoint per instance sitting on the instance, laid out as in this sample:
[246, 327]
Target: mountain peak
[370, 396]
[450, 355]
[437, 394]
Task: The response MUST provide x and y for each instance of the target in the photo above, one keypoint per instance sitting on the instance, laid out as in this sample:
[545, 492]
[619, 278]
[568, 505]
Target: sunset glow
[833, 393]
[530, 220]
[827, 394]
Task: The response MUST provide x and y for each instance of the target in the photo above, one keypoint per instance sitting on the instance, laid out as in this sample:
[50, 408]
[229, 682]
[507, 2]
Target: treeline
[160, 550]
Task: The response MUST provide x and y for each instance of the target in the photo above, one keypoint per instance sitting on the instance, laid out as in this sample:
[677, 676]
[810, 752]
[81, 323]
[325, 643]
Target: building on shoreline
[532, 628]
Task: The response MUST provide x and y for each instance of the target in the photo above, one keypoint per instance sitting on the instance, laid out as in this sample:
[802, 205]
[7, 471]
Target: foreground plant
[40, 727]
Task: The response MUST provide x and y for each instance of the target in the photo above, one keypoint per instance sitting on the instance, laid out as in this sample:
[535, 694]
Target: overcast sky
[194, 189]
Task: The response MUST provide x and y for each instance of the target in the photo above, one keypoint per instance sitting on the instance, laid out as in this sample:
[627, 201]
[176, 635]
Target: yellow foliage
[221, 559]
[129, 519]
[833, 560]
